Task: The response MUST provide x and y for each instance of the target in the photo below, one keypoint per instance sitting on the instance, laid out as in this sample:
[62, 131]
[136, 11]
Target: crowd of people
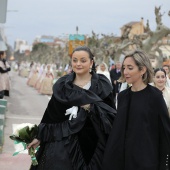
[39, 76]
[100, 117]
[90, 124]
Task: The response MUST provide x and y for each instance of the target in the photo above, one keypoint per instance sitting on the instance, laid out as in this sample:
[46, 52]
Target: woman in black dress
[75, 126]
[140, 137]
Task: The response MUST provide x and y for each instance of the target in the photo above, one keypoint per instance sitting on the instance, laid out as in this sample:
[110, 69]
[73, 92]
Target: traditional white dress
[166, 95]
[105, 72]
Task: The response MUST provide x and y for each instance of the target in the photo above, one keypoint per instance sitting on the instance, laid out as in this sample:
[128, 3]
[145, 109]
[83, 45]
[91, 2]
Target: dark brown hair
[159, 69]
[91, 56]
[1, 53]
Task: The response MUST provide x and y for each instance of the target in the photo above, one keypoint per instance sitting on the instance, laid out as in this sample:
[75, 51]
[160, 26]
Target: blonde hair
[141, 59]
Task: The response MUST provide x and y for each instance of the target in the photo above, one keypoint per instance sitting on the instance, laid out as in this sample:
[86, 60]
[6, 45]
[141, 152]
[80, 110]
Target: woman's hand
[35, 143]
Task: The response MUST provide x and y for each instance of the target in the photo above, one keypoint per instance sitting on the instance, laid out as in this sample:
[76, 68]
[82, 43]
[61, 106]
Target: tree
[39, 46]
[105, 47]
[114, 47]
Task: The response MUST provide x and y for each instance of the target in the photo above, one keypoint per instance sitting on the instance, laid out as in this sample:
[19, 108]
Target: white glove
[72, 112]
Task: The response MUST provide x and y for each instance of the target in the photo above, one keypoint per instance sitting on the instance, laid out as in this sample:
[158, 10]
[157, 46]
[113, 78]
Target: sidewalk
[18, 162]
[24, 105]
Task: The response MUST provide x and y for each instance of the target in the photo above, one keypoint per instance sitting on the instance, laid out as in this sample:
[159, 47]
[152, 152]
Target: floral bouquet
[24, 134]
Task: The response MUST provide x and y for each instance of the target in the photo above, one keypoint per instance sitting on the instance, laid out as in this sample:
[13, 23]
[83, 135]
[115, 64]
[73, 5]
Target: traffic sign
[74, 41]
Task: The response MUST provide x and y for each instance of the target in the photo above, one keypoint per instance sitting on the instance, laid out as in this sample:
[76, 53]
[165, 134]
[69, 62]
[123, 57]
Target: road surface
[25, 105]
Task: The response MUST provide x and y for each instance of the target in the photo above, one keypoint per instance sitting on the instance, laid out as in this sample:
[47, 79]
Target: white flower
[21, 126]
[25, 133]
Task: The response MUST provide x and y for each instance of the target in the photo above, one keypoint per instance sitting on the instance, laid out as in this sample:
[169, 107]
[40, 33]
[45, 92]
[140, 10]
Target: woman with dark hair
[140, 137]
[167, 70]
[78, 119]
[4, 77]
[160, 82]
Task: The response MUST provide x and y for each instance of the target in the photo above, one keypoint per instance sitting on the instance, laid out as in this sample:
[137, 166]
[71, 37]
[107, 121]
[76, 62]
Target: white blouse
[166, 95]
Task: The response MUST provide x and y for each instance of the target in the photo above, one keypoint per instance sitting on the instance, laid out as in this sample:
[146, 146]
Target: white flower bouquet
[24, 134]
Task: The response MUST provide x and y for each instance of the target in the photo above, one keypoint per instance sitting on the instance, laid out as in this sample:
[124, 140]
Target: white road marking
[24, 118]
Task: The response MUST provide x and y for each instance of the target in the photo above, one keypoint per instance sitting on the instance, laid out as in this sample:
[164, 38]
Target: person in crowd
[16, 66]
[160, 82]
[153, 60]
[31, 72]
[166, 68]
[41, 78]
[78, 119]
[112, 67]
[140, 135]
[103, 69]
[33, 76]
[4, 77]
[40, 73]
[115, 75]
[47, 82]
[23, 69]
[123, 86]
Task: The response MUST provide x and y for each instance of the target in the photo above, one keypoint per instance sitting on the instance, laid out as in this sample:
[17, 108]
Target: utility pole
[3, 10]
[77, 29]
[3, 46]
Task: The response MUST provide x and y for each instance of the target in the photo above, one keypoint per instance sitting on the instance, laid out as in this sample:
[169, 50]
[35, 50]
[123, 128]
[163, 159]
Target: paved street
[25, 105]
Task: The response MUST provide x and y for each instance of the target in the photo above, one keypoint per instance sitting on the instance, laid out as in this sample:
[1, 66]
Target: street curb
[3, 102]
[3, 106]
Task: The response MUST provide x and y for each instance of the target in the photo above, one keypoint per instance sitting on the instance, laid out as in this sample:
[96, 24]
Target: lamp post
[3, 27]
[3, 10]
[3, 46]
[77, 29]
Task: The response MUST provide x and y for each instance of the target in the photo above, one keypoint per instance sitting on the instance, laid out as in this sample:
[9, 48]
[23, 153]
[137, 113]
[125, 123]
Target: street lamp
[3, 10]
[3, 46]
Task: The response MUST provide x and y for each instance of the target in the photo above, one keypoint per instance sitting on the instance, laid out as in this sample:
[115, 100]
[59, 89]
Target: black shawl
[89, 131]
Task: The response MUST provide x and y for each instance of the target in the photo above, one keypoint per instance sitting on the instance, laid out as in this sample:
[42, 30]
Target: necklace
[82, 84]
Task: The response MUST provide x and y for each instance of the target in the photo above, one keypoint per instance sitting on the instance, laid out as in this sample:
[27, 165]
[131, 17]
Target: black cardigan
[140, 137]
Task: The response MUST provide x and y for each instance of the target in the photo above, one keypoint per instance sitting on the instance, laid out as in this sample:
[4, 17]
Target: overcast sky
[60, 17]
